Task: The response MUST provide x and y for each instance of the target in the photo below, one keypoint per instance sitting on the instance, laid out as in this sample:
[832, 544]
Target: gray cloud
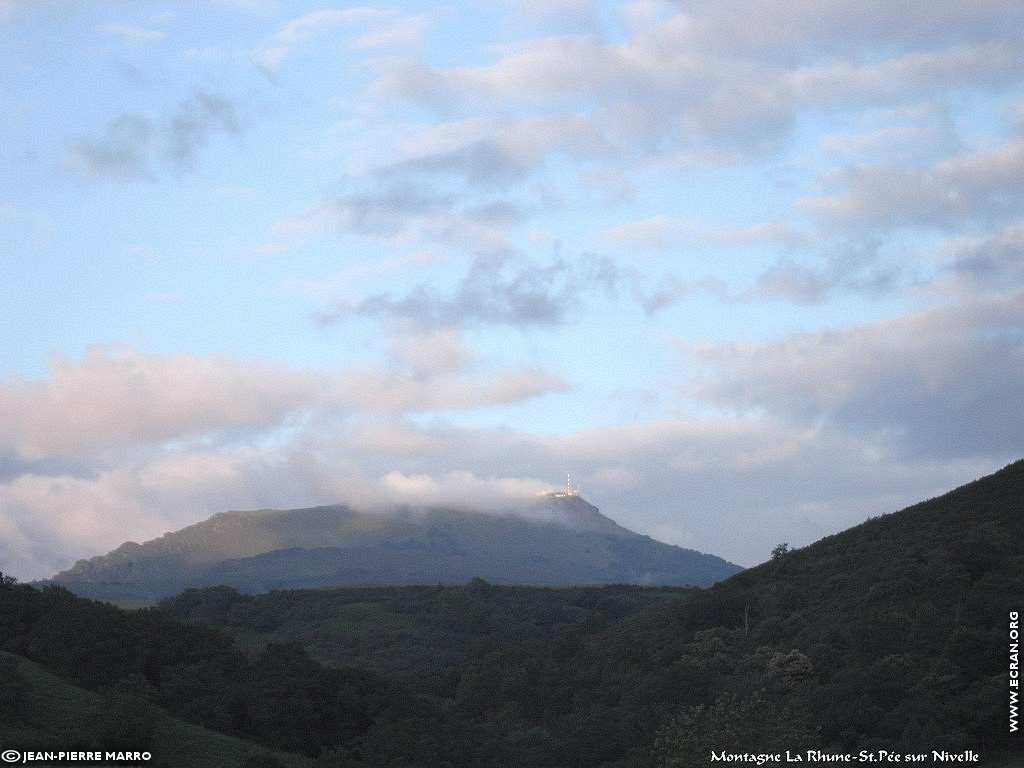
[941, 383]
[132, 144]
[497, 289]
[984, 187]
[995, 262]
[802, 29]
[493, 153]
[481, 162]
[387, 210]
[848, 268]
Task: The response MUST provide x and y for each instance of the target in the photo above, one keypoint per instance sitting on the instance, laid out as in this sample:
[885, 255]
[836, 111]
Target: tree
[125, 718]
[734, 724]
[780, 550]
[14, 691]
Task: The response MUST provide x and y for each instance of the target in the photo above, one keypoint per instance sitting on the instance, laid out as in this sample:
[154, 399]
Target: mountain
[558, 539]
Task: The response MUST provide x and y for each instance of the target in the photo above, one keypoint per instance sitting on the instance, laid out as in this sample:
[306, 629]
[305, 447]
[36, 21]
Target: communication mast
[569, 492]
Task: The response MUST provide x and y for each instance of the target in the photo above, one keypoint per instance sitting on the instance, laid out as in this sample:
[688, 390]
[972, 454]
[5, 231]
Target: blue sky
[752, 271]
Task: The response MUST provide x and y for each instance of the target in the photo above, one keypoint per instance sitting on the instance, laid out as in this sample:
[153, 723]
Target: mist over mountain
[556, 539]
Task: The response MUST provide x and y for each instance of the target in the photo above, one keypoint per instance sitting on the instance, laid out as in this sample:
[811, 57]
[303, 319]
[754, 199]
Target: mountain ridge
[552, 540]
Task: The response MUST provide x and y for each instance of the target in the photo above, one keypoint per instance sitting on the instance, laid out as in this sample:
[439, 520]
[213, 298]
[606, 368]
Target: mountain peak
[575, 511]
[553, 539]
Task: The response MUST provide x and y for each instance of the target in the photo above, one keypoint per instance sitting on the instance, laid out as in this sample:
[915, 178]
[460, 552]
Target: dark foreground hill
[553, 541]
[41, 710]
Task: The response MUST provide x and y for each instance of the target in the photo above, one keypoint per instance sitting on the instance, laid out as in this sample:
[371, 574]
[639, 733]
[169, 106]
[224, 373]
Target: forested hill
[893, 634]
[550, 541]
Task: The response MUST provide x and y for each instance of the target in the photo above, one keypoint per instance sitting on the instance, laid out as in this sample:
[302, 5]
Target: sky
[752, 271]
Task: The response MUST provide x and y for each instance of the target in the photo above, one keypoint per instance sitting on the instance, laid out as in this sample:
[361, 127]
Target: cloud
[663, 233]
[497, 153]
[373, 390]
[984, 187]
[256, 7]
[127, 444]
[133, 143]
[297, 33]
[941, 383]
[116, 399]
[987, 64]
[386, 211]
[913, 136]
[702, 477]
[814, 455]
[132, 35]
[845, 268]
[727, 82]
[802, 29]
[993, 263]
[382, 28]
[432, 371]
[497, 289]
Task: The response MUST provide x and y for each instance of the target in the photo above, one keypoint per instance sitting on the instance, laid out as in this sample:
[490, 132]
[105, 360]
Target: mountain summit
[555, 539]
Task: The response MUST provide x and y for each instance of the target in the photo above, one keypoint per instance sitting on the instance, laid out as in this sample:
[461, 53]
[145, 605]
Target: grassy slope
[58, 718]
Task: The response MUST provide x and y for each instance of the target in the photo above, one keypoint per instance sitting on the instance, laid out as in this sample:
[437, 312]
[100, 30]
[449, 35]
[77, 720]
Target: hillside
[414, 630]
[42, 711]
[553, 541]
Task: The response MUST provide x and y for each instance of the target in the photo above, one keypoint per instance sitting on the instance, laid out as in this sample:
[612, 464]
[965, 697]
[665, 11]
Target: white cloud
[433, 371]
[132, 35]
[381, 28]
[989, 63]
[116, 398]
[299, 32]
[258, 7]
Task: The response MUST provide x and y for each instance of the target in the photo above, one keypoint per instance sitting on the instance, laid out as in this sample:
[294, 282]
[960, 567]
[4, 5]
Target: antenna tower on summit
[569, 490]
